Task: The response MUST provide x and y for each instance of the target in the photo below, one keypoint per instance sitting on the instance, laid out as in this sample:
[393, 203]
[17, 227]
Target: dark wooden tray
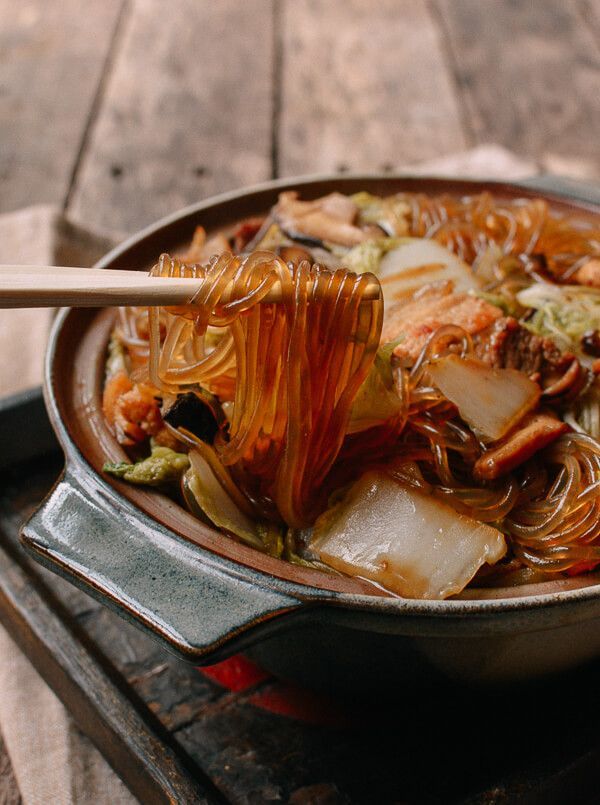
[176, 734]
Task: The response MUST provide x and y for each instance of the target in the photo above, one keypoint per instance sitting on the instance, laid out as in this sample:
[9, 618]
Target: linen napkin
[52, 761]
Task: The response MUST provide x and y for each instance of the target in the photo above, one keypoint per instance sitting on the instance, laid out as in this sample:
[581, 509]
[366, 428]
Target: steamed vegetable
[218, 505]
[367, 256]
[391, 214]
[404, 539]
[491, 401]
[404, 265]
[377, 400]
[565, 313]
[223, 511]
[584, 414]
[506, 303]
[162, 467]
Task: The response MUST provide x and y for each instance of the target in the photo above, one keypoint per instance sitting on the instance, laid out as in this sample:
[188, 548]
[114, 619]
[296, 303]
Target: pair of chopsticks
[59, 286]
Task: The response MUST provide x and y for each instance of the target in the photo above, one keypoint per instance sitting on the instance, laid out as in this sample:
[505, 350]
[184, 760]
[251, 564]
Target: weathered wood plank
[173, 690]
[363, 86]
[187, 112]
[530, 74]
[51, 59]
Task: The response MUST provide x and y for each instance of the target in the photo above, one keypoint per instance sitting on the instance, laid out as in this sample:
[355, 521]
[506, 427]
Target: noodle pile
[525, 229]
[297, 367]
[557, 515]
[294, 369]
[290, 372]
[550, 509]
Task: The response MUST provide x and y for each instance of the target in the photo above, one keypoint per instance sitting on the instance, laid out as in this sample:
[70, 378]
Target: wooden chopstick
[58, 286]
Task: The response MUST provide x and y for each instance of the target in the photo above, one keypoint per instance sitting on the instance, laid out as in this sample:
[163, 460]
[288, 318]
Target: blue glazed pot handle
[201, 605]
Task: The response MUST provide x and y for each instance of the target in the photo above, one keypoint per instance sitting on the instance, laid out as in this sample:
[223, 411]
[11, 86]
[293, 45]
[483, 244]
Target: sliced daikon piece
[404, 539]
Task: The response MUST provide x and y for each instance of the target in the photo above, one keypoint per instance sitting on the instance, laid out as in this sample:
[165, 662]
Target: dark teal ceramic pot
[205, 597]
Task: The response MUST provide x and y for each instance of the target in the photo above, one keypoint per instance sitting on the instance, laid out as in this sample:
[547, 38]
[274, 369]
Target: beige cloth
[37, 236]
[52, 761]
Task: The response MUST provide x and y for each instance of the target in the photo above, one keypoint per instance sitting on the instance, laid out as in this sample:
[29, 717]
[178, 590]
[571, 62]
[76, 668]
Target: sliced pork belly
[429, 311]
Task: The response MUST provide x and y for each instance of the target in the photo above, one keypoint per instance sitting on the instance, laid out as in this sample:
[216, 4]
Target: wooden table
[121, 111]
[124, 110]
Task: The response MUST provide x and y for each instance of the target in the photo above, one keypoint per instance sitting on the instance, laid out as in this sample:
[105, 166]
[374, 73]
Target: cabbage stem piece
[218, 505]
[492, 401]
[405, 540]
[416, 262]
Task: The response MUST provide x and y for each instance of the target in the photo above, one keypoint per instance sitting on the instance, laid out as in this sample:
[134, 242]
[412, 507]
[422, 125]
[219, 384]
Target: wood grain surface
[530, 77]
[363, 86]
[135, 108]
[187, 112]
[589, 11]
[52, 59]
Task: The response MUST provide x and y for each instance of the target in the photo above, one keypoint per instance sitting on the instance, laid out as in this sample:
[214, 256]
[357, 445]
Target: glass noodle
[295, 368]
[550, 509]
[525, 229]
[288, 373]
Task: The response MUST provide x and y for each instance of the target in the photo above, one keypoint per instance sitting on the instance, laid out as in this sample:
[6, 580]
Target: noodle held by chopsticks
[297, 367]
